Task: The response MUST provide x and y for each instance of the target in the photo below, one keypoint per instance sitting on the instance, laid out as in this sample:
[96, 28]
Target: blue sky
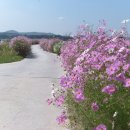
[60, 16]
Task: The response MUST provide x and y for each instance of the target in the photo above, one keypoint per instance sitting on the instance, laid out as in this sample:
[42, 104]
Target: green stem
[85, 115]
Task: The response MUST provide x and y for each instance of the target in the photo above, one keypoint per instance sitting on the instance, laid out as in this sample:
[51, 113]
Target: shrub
[21, 45]
[96, 87]
[47, 44]
[22, 48]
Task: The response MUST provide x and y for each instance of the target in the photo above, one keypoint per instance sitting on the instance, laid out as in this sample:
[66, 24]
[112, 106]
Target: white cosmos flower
[114, 39]
[121, 49]
[113, 32]
[52, 94]
[125, 21]
[111, 50]
[85, 52]
[115, 114]
[122, 32]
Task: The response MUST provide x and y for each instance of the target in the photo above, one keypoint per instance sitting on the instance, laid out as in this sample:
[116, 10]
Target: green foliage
[57, 47]
[82, 117]
[22, 48]
[8, 55]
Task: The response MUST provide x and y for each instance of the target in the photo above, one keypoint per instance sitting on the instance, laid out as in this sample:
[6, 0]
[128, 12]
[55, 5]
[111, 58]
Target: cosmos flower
[120, 77]
[59, 101]
[111, 70]
[78, 94]
[110, 89]
[61, 119]
[49, 101]
[94, 106]
[127, 83]
[101, 127]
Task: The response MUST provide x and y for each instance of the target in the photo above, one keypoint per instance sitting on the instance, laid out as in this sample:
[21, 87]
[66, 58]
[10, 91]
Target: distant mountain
[34, 35]
[12, 32]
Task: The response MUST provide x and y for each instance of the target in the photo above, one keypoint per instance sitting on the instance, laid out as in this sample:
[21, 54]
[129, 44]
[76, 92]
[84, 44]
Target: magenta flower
[59, 101]
[94, 106]
[120, 77]
[111, 70]
[64, 82]
[79, 96]
[101, 127]
[61, 119]
[49, 101]
[126, 67]
[78, 69]
[110, 89]
[127, 83]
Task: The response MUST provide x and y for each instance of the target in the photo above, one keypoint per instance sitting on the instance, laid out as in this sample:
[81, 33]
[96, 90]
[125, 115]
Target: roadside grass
[8, 55]
[57, 48]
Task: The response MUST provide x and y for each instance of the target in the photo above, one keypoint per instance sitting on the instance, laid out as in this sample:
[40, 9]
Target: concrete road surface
[24, 88]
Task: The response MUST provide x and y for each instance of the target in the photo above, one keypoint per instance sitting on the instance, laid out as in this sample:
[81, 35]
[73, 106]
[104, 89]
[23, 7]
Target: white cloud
[61, 18]
[126, 21]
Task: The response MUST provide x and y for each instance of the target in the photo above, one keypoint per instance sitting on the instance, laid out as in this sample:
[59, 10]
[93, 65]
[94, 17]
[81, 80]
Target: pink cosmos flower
[61, 119]
[110, 89]
[94, 106]
[120, 77]
[127, 83]
[78, 69]
[101, 127]
[64, 82]
[111, 70]
[49, 101]
[126, 67]
[59, 101]
[79, 96]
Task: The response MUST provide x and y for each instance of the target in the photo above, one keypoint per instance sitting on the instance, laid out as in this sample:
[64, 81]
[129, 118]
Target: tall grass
[8, 55]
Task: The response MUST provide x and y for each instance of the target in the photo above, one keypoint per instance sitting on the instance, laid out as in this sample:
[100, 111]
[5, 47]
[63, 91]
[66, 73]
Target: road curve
[24, 88]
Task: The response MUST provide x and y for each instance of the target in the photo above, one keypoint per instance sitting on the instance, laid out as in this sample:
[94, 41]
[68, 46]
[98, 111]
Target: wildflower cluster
[50, 45]
[21, 44]
[97, 80]
[20, 38]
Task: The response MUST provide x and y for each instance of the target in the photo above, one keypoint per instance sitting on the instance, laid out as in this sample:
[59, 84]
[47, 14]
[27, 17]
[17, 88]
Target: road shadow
[32, 56]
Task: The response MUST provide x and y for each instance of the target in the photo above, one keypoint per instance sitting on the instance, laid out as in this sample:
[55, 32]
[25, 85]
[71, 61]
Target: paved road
[24, 88]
